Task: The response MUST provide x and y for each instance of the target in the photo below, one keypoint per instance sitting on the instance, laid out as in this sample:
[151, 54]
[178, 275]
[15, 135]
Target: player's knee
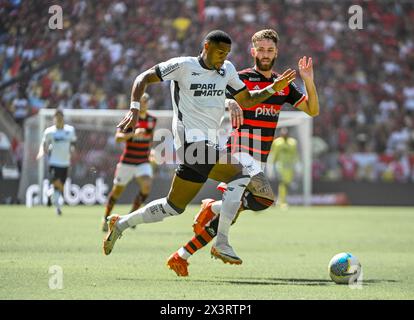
[256, 203]
[146, 188]
[260, 186]
[259, 194]
[145, 184]
[117, 191]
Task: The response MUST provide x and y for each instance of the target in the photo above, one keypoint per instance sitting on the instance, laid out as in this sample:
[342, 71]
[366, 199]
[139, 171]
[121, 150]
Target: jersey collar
[271, 79]
[202, 63]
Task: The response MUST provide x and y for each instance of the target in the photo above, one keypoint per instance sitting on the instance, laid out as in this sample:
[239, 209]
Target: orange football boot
[178, 264]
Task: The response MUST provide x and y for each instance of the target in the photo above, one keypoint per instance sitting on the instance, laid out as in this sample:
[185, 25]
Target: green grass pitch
[285, 255]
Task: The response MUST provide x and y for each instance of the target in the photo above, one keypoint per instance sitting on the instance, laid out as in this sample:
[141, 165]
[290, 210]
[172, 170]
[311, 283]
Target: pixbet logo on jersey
[263, 111]
[205, 89]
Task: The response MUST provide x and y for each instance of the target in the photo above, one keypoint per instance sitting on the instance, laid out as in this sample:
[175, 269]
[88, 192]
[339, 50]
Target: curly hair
[265, 34]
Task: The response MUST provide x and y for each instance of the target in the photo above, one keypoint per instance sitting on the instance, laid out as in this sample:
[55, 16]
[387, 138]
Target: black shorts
[58, 173]
[198, 159]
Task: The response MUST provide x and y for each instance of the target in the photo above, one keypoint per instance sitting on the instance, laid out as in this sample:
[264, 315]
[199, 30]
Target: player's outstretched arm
[138, 89]
[248, 99]
[311, 104]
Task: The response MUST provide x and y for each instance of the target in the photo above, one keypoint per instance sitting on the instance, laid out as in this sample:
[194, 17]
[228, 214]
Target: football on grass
[344, 268]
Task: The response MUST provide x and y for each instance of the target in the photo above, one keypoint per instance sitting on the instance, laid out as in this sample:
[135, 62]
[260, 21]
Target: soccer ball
[344, 268]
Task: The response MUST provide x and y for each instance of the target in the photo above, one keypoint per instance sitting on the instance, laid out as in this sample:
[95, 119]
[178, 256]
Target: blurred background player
[134, 161]
[254, 136]
[58, 142]
[283, 157]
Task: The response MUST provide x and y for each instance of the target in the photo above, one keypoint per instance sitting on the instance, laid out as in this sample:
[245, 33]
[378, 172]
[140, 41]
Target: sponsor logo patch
[168, 69]
[262, 111]
[205, 90]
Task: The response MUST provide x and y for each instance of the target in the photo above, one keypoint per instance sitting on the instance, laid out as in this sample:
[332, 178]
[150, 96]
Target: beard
[267, 67]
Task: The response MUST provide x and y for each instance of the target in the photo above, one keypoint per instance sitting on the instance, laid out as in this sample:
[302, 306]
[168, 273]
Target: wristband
[270, 90]
[135, 105]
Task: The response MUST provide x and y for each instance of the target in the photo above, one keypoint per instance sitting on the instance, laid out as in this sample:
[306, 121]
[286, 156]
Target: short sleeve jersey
[59, 142]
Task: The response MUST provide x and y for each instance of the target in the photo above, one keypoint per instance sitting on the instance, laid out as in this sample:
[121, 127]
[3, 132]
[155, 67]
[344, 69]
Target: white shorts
[250, 165]
[124, 173]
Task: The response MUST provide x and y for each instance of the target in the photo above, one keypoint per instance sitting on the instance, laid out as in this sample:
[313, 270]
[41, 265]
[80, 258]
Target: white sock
[55, 198]
[131, 219]
[50, 191]
[184, 253]
[230, 206]
[216, 207]
[225, 220]
[154, 211]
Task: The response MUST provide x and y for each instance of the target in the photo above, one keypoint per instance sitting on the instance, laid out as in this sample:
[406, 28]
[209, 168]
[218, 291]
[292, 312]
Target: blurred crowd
[365, 78]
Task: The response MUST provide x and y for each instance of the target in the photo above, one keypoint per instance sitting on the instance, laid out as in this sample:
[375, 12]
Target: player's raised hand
[305, 68]
[129, 121]
[283, 80]
[236, 113]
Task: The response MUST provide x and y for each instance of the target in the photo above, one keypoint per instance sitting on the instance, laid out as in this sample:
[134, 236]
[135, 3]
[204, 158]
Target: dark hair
[269, 34]
[218, 36]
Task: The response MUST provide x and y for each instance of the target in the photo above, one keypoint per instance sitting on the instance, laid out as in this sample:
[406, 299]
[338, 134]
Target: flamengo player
[134, 162]
[198, 86]
[58, 142]
[254, 137]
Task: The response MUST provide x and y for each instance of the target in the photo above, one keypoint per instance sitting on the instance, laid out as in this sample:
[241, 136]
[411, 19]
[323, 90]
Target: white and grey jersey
[198, 95]
[58, 141]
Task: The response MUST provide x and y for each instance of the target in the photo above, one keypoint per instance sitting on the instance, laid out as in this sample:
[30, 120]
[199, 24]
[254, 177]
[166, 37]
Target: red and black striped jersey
[256, 134]
[137, 150]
